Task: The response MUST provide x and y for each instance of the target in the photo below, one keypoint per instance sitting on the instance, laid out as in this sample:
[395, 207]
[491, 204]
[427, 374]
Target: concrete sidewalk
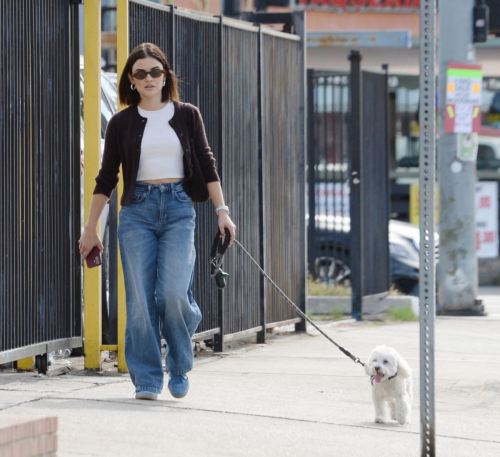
[295, 396]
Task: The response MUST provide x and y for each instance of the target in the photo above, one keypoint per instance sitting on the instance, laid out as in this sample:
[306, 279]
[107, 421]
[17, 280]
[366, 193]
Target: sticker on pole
[467, 146]
[462, 113]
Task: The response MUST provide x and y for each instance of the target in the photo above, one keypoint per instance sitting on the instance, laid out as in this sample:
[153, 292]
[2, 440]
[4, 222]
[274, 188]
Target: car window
[485, 152]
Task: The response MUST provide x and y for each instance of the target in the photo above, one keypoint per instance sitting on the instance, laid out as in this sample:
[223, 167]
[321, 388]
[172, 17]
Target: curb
[371, 305]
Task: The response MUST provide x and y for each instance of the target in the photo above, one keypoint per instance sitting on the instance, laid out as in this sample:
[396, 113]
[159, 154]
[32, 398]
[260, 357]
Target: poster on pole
[462, 112]
[487, 219]
[467, 145]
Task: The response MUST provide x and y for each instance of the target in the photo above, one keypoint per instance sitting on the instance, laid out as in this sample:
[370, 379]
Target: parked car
[332, 241]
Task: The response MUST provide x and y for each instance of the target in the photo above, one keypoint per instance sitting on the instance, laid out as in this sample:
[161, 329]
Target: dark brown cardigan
[123, 146]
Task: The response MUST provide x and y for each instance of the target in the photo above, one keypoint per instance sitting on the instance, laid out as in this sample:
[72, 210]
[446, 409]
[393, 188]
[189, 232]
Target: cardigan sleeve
[202, 150]
[108, 176]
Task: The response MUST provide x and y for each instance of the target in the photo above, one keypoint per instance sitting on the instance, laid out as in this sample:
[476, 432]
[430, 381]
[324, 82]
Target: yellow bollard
[92, 137]
[122, 55]
[27, 364]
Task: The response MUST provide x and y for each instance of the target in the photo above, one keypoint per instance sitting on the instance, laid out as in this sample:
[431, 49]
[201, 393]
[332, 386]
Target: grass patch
[333, 315]
[401, 315]
[317, 288]
[336, 314]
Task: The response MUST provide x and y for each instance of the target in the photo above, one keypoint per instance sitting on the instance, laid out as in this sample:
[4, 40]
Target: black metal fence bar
[375, 233]
[40, 288]
[358, 181]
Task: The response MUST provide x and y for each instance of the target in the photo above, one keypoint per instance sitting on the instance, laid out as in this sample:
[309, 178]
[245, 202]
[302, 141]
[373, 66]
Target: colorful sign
[357, 5]
[463, 98]
[487, 219]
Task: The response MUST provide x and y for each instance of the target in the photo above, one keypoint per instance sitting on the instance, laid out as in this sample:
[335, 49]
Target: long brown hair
[131, 97]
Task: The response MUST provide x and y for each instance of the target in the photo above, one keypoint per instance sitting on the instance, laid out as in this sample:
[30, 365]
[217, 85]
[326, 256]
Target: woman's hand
[88, 240]
[226, 222]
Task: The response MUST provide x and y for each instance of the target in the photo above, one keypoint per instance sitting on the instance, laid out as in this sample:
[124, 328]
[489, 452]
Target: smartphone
[94, 258]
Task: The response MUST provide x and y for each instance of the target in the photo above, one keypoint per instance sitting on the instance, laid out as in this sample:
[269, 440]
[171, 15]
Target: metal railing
[248, 82]
[40, 270]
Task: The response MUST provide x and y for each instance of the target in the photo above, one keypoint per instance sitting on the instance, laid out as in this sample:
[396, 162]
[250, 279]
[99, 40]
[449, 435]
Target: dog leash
[217, 253]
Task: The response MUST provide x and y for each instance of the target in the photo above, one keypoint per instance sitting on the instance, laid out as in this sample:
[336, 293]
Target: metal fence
[283, 173]
[40, 271]
[348, 177]
[247, 82]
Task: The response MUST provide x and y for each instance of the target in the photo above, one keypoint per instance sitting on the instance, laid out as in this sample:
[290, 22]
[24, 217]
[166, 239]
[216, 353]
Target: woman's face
[150, 87]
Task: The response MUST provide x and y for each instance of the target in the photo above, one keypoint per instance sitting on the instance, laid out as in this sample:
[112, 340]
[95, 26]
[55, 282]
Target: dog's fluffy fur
[392, 398]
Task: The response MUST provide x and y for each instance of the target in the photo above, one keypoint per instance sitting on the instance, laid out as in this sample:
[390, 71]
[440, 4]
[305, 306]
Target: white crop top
[161, 150]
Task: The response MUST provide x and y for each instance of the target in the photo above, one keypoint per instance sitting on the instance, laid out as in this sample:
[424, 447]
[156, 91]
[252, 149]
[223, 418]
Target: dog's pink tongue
[379, 377]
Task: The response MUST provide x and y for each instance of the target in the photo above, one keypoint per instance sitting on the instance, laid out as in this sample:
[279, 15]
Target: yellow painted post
[415, 204]
[122, 55]
[27, 364]
[92, 137]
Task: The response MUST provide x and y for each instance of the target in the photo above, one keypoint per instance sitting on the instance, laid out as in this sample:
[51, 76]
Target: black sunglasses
[155, 73]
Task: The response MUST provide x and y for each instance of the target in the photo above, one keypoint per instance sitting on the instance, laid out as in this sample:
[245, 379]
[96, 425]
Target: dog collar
[373, 377]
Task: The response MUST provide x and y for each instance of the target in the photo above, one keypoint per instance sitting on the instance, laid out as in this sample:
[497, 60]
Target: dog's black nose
[377, 368]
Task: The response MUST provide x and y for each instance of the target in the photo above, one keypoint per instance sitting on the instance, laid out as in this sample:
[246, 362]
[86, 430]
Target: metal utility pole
[457, 271]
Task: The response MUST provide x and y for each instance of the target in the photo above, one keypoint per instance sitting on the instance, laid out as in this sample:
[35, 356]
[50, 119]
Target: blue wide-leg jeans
[156, 236]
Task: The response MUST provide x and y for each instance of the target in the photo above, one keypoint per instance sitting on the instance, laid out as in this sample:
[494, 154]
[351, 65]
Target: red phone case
[94, 258]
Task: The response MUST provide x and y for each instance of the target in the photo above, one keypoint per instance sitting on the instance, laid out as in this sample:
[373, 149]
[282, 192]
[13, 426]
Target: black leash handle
[219, 248]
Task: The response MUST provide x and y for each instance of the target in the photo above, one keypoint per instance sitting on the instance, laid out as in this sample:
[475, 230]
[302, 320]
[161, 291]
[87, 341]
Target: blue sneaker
[145, 395]
[178, 385]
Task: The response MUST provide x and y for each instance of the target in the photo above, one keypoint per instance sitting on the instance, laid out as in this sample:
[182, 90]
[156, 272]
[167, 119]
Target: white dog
[391, 385]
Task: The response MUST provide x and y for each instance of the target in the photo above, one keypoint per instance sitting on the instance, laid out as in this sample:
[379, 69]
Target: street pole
[427, 179]
[457, 271]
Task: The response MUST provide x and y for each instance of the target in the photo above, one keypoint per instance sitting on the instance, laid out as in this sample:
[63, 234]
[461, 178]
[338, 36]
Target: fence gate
[40, 271]
[348, 177]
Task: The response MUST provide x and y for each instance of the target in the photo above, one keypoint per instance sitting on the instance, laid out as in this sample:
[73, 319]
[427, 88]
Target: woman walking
[166, 165]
